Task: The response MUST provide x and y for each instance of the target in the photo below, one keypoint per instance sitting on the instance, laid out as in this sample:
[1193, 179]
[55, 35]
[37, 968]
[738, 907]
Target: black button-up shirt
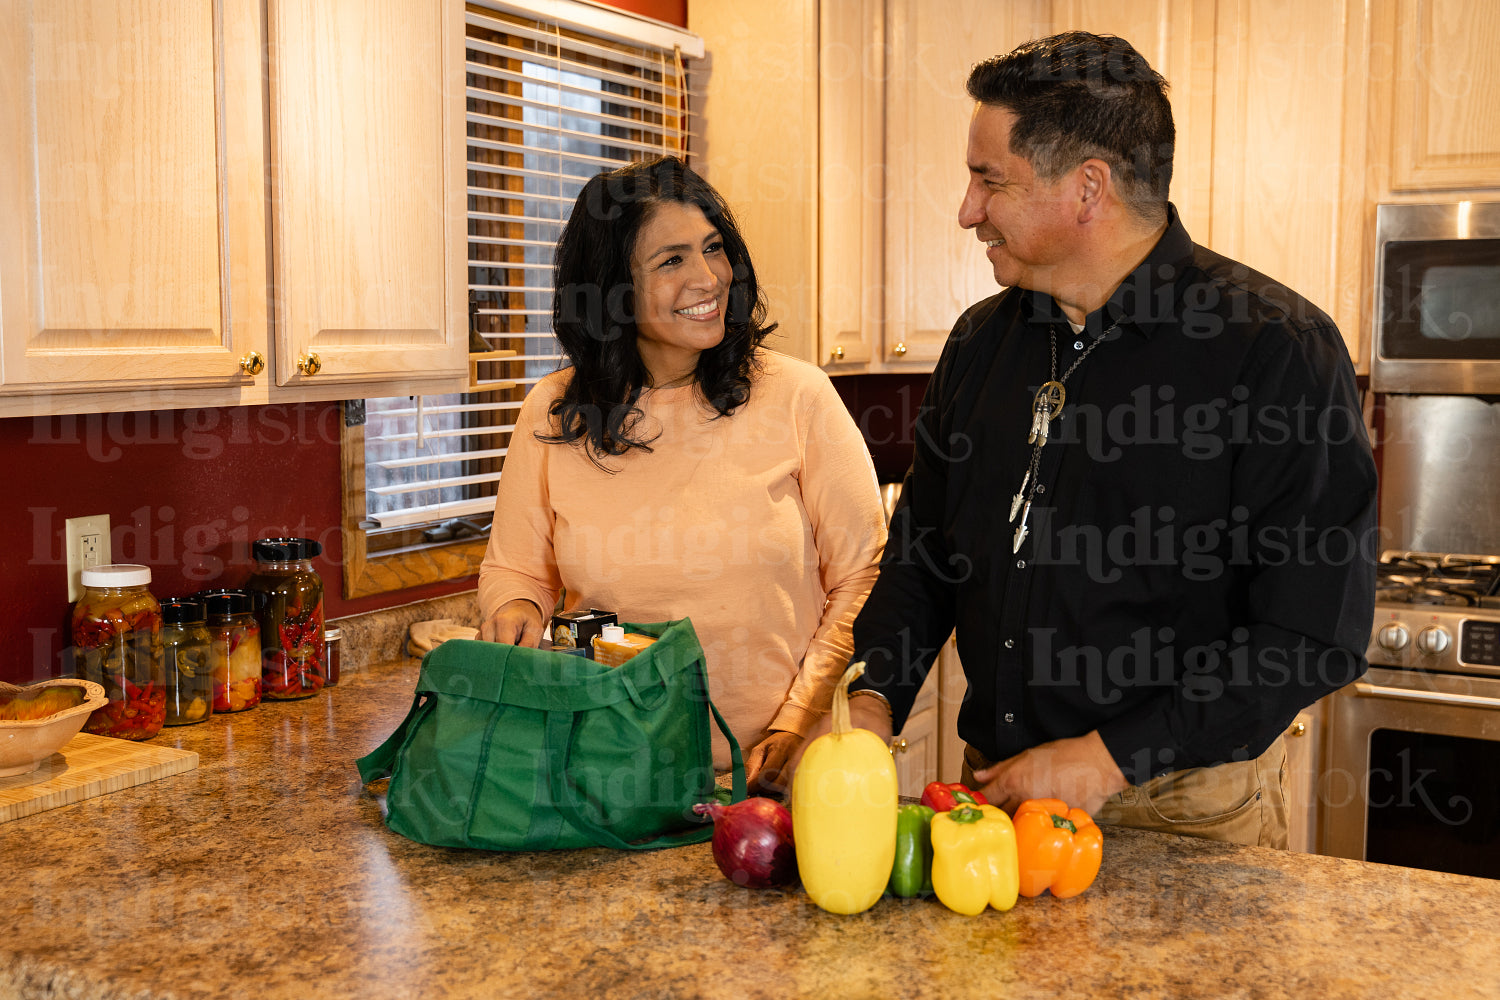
[1199, 564]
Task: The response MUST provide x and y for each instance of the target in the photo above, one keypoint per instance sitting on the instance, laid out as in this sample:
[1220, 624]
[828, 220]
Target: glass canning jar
[116, 630]
[233, 650]
[289, 605]
[184, 658]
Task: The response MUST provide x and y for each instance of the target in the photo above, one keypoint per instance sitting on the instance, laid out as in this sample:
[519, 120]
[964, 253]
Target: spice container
[332, 637]
[289, 598]
[233, 649]
[184, 660]
[116, 629]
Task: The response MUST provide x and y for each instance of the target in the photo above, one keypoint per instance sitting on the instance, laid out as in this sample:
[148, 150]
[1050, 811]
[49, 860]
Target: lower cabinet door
[916, 752]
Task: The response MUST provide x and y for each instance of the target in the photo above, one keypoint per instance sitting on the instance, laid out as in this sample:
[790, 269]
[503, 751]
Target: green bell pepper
[911, 874]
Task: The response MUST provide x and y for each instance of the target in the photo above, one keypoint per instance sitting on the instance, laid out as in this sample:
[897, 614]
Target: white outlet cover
[75, 529]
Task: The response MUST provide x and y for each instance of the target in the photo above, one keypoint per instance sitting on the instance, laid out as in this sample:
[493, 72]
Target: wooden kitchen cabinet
[150, 264]
[368, 190]
[1289, 118]
[1304, 763]
[756, 141]
[1435, 95]
[928, 748]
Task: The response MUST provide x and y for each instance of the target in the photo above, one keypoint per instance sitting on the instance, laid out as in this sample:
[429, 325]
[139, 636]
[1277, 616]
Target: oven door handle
[1432, 697]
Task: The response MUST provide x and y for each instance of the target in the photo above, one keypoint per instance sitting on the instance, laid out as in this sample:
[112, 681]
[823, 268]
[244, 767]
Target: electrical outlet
[87, 540]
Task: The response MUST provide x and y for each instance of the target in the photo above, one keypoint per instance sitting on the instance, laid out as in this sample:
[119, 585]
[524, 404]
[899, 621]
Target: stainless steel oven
[1437, 298]
[1412, 773]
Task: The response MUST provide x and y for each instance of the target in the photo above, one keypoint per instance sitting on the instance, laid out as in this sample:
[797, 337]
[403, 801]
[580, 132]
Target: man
[1141, 490]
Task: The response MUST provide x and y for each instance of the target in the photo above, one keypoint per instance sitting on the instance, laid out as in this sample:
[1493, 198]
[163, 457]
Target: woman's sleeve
[519, 562]
[842, 499]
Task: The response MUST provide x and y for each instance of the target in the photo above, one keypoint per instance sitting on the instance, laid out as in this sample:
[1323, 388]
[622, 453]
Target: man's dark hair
[593, 308]
[1078, 96]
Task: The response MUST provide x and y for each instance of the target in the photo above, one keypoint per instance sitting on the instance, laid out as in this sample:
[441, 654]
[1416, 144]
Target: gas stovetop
[1438, 578]
[1437, 611]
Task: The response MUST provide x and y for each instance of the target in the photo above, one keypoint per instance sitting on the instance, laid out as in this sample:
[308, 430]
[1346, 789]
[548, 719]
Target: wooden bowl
[24, 745]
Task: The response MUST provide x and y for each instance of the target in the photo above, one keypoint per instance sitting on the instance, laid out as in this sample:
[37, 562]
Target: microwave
[1437, 299]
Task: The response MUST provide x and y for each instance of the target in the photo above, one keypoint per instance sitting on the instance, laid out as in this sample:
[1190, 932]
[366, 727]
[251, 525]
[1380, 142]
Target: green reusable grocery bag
[509, 748]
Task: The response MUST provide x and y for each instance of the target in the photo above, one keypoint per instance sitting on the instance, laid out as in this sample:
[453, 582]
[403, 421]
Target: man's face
[1028, 224]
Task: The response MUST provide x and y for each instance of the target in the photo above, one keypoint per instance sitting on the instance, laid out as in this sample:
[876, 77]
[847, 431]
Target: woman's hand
[766, 765]
[515, 623]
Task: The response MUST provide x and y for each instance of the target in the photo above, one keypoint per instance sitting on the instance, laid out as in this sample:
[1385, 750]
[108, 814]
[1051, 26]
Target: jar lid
[117, 575]
[285, 549]
[181, 611]
[225, 602]
[612, 633]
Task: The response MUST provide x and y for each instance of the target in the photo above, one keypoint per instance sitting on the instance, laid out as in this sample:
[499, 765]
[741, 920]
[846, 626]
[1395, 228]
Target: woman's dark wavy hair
[593, 308]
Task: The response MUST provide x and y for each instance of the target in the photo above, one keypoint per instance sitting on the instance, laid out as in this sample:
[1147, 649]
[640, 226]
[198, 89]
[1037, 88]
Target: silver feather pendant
[1020, 497]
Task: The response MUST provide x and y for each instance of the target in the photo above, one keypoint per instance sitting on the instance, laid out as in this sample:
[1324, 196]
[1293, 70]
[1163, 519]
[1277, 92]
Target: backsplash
[380, 636]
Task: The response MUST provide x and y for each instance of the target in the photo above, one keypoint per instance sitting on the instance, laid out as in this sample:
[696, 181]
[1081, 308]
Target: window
[551, 101]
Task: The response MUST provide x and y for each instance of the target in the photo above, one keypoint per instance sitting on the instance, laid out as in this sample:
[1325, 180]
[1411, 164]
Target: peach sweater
[764, 527]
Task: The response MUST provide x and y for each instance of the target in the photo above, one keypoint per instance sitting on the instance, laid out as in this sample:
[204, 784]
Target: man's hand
[864, 713]
[1079, 771]
[515, 623]
[766, 764]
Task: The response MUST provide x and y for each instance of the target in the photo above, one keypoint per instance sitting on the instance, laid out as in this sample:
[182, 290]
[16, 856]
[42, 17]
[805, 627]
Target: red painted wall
[186, 492]
[671, 11]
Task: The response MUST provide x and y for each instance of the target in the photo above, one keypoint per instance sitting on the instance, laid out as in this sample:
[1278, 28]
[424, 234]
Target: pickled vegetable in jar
[116, 629]
[289, 597]
[184, 660]
[233, 649]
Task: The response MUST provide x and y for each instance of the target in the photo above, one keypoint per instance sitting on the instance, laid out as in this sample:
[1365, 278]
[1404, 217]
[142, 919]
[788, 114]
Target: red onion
[753, 841]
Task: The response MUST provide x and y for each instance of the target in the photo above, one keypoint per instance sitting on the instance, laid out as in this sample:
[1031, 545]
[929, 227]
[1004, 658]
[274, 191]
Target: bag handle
[380, 762]
[560, 733]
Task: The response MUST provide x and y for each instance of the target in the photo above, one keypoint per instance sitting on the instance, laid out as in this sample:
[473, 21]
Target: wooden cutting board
[86, 766]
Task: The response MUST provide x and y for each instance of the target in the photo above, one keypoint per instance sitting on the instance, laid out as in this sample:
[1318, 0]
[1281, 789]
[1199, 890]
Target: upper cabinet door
[367, 154]
[132, 185]
[934, 269]
[1446, 82]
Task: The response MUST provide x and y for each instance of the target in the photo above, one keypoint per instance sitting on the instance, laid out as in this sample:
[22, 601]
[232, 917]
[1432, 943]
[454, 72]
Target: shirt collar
[1136, 303]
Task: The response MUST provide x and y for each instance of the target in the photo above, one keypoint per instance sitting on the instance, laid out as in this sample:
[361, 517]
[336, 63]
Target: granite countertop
[267, 873]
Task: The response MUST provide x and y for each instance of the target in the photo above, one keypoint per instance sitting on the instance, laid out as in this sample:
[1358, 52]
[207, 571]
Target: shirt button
[1010, 644]
[1010, 717]
[1020, 564]
[1077, 345]
[1040, 488]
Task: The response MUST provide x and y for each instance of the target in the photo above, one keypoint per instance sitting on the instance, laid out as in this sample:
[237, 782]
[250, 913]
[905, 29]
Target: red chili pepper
[942, 797]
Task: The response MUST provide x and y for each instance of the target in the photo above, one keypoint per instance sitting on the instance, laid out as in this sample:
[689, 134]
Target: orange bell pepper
[1058, 848]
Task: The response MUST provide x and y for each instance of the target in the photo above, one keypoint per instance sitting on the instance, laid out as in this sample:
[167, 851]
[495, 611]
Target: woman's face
[682, 278]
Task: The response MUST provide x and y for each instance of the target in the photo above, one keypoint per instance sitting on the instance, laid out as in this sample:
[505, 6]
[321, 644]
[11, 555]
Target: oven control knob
[1432, 639]
[1393, 637]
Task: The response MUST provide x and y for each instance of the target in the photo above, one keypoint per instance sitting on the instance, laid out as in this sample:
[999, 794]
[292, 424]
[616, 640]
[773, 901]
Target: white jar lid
[117, 575]
[612, 633]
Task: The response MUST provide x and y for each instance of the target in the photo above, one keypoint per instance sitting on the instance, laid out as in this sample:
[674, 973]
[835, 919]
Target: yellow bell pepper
[974, 859]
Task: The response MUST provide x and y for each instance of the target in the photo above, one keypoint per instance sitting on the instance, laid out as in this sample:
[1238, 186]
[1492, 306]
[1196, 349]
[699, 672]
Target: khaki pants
[1242, 802]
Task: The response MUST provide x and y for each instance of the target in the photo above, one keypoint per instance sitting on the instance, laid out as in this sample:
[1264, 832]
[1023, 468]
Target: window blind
[556, 92]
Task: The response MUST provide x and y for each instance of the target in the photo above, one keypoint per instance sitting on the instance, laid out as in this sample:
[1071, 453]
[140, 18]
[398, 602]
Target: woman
[677, 468]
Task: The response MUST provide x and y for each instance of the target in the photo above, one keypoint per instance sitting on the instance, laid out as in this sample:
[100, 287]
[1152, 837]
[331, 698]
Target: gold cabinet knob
[898, 745]
[1298, 729]
[253, 363]
[309, 364]
[899, 349]
[838, 353]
